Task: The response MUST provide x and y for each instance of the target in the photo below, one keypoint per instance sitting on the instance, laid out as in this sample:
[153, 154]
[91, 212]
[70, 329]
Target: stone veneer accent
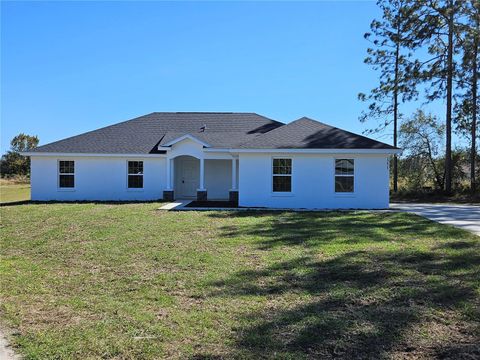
[202, 195]
[168, 195]
[233, 196]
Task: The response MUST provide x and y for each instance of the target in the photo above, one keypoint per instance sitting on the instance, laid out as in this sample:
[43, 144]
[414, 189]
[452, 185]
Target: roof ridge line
[204, 112]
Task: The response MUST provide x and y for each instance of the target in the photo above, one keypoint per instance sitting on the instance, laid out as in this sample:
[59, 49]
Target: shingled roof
[306, 133]
[144, 134]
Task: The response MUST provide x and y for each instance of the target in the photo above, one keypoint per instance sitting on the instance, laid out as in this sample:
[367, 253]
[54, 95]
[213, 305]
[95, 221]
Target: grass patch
[126, 281]
[12, 191]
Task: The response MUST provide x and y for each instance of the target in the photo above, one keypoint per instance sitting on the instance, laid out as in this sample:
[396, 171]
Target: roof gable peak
[185, 137]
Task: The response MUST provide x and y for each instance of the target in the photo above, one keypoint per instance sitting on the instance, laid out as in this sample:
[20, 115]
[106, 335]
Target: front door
[189, 178]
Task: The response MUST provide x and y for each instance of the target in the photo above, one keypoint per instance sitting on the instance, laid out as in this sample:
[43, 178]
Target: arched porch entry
[189, 177]
[186, 176]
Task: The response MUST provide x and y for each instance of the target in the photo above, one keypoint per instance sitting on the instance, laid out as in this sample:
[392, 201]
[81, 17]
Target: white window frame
[59, 188]
[281, 193]
[346, 194]
[142, 174]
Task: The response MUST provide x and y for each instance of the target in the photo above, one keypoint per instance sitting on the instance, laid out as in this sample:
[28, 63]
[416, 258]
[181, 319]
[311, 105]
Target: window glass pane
[135, 167]
[66, 167]
[282, 166]
[135, 181]
[67, 181]
[282, 183]
[344, 167]
[343, 183]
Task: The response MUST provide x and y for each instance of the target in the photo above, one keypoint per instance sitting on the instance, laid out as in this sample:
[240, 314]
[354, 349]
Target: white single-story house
[241, 157]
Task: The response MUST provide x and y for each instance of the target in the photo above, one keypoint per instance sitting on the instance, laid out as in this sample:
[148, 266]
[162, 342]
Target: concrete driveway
[463, 216]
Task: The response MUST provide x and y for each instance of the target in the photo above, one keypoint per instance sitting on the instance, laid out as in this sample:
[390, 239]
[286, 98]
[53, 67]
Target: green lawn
[10, 192]
[90, 281]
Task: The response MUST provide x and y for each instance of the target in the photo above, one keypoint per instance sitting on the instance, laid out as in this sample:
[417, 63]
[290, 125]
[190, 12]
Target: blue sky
[70, 67]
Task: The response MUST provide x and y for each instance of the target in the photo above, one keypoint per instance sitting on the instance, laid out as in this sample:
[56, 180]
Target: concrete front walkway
[175, 205]
[463, 216]
[6, 352]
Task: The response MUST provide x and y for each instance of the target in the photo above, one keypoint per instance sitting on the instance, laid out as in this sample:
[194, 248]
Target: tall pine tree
[438, 27]
[467, 105]
[390, 36]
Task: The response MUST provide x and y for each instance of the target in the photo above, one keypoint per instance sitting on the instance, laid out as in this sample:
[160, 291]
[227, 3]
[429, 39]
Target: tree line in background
[427, 50]
[14, 164]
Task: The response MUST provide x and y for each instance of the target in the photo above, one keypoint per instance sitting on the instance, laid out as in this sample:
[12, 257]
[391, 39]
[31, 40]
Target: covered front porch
[198, 178]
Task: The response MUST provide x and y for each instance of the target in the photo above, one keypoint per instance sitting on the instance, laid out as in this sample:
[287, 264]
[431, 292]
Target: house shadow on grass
[310, 229]
[73, 202]
[380, 302]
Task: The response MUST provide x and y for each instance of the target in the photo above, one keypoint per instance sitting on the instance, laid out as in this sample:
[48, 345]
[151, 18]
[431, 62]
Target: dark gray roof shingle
[306, 133]
[142, 135]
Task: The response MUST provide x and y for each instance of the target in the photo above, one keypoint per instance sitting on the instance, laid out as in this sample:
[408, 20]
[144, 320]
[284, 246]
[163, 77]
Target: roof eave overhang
[65, 154]
[314, 151]
[286, 150]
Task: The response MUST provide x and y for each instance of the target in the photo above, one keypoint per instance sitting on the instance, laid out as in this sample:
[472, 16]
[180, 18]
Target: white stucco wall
[218, 178]
[313, 182]
[96, 178]
[105, 178]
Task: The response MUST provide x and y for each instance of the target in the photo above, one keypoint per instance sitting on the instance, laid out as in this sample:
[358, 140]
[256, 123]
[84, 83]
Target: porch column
[233, 193]
[202, 174]
[168, 194]
[172, 173]
[202, 192]
[234, 174]
[169, 176]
